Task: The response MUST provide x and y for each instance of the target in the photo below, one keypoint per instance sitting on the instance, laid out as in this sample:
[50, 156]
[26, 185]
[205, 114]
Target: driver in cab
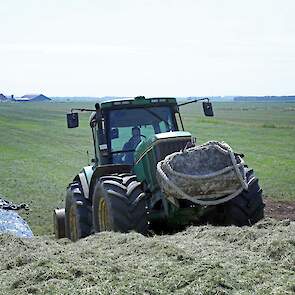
[131, 145]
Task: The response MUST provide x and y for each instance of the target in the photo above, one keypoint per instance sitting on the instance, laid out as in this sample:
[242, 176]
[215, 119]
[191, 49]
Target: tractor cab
[119, 127]
[131, 126]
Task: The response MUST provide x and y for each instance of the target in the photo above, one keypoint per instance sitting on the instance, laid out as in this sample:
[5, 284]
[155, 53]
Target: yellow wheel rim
[103, 216]
[73, 224]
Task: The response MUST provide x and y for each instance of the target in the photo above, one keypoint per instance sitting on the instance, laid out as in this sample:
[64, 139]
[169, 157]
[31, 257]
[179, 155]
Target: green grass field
[39, 156]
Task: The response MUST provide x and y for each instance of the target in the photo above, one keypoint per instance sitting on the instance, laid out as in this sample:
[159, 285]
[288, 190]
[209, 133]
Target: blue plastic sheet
[12, 223]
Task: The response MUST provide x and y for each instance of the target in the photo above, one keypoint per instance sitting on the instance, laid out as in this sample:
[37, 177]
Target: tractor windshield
[128, 127]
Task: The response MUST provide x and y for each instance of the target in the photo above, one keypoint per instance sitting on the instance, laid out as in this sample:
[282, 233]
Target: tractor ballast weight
[209, 174]
[136, 182]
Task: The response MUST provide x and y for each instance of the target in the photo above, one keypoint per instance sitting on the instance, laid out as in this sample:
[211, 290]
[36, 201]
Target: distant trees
[265, 98]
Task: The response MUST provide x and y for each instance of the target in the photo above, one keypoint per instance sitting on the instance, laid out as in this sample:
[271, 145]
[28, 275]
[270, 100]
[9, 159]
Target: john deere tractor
[120, 191]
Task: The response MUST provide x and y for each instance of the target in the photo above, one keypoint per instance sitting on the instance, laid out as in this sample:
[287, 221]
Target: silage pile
[200, 260]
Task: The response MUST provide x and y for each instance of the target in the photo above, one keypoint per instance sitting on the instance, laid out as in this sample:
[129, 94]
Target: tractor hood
[146, 145]
[154, 149]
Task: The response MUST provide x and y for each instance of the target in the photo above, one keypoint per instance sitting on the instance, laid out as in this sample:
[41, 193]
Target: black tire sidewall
[125, 212]
[83, 224]
[247, 208]
[99, 193]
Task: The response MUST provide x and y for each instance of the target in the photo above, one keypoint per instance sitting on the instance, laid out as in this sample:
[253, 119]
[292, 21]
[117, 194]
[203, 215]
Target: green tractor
[120, 191]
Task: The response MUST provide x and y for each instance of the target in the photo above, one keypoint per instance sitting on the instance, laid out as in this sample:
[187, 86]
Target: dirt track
[279, 209]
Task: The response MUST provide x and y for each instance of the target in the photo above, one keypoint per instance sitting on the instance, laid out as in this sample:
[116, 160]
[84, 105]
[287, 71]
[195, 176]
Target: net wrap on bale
[207, 174]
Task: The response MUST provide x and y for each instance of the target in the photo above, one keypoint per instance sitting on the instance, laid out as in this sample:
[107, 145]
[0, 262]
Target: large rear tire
[248, 207]
[78, 221]
[119, 204]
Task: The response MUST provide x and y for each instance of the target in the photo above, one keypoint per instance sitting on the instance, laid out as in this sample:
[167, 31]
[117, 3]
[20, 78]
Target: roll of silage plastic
[12, 223]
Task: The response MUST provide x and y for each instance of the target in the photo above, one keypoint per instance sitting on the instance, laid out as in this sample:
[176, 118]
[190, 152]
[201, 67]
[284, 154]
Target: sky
[147, 47]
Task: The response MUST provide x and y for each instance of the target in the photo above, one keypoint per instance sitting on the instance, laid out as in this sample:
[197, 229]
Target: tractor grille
[168, 146]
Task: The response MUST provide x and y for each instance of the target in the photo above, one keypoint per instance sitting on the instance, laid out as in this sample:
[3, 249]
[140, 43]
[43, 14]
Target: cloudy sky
[147, 47]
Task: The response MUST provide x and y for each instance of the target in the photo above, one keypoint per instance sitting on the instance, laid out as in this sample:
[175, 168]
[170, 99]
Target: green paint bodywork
[146, 159]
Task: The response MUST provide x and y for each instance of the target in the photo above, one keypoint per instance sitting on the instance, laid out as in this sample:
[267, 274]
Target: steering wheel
[142, 135]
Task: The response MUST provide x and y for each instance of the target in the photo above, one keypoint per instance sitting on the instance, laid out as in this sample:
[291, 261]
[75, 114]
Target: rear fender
[103, 170]
[84, 178]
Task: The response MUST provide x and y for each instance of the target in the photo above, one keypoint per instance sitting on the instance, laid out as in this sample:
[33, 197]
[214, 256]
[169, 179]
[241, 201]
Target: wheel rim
[73, 224]
[103, 216]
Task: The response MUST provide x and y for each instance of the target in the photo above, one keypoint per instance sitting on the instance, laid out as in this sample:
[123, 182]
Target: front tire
[245, 209]
[119, 205]
[248, 207]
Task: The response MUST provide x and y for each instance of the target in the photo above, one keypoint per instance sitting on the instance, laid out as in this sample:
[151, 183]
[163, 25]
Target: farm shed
[34, 97]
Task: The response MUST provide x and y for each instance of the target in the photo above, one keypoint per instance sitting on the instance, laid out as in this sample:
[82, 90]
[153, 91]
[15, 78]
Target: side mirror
[73, 120]
[208, 109]
[114, 133]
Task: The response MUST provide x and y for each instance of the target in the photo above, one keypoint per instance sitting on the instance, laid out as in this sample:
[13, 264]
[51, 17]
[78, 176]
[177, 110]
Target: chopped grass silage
[200, 260]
